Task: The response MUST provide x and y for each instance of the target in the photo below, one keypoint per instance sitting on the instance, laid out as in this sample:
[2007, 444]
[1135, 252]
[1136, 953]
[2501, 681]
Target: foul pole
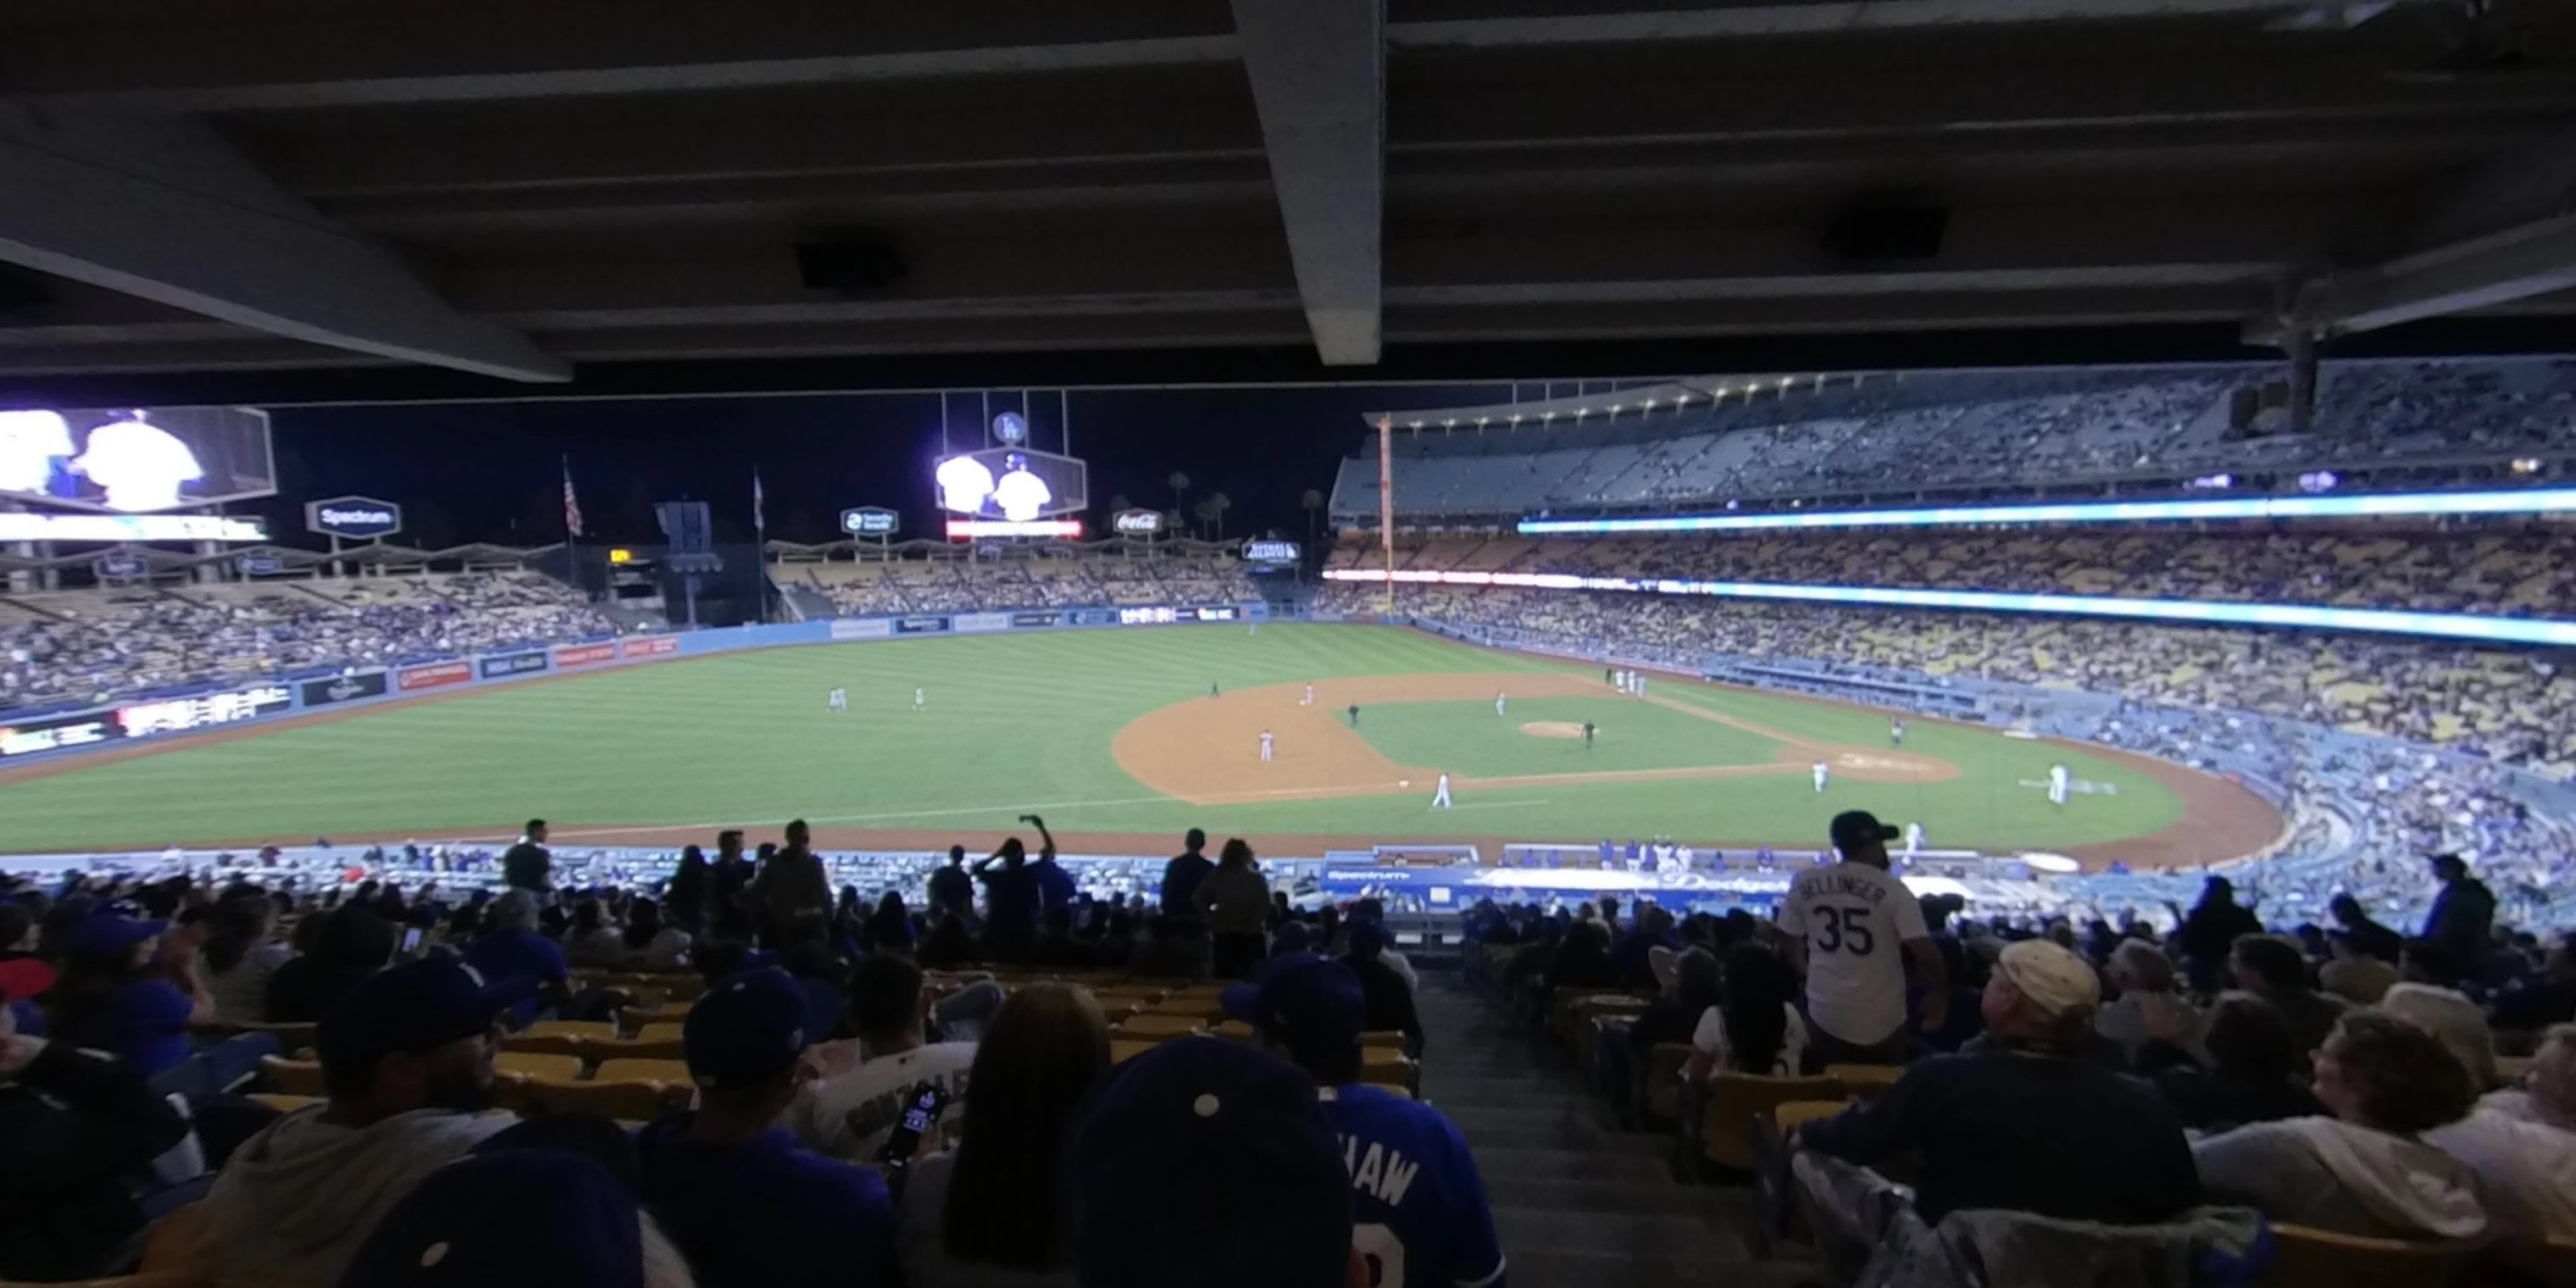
[1386, 508]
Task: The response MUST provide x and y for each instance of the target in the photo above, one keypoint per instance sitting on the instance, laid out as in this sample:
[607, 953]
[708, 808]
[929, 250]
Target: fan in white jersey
[1851, 925]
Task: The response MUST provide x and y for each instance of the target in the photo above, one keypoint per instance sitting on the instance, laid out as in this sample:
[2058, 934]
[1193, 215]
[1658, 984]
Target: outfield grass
[1015, 722]
[1468, 738]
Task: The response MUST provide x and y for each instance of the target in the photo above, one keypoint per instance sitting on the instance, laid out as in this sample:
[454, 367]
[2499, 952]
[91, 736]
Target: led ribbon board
[2460, 626]
[2500, 501]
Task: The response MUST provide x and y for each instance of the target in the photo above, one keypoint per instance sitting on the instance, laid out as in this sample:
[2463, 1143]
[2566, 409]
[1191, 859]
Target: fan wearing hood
[2366, 1170]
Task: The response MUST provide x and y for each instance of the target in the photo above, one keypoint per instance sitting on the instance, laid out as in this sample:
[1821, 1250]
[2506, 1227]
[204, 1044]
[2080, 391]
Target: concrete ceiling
[526, 190]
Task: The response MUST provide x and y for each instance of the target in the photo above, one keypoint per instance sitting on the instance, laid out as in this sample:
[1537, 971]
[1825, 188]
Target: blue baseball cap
[104, 933]
[1368, 938]
[542, 1218]
[411, 1007]
[1209, 1162]
[745, 1029]
[1312, 1005]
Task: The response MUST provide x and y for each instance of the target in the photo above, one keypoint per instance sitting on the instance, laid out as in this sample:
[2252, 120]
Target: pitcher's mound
[1552, 729]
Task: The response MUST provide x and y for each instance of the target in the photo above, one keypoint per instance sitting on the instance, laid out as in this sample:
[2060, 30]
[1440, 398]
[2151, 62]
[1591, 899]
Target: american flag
[572, 503]
[759, 519]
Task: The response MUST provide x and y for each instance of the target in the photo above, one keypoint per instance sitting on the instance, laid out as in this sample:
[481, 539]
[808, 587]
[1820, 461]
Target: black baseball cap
[746, 1029]
[1854, 826]
[409, 1008]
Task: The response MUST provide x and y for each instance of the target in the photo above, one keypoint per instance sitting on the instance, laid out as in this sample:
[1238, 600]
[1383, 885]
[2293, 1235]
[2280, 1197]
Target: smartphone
[919, 1117]
[411, 940]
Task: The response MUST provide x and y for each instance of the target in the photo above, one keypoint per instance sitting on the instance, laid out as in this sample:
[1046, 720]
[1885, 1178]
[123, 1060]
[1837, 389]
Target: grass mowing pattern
[1468, 738]
[1014, 722]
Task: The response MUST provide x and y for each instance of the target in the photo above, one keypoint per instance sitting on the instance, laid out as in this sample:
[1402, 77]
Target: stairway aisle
[1579, 1203]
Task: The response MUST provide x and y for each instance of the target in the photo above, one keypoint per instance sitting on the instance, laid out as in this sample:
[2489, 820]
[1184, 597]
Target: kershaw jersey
[1418, 1210]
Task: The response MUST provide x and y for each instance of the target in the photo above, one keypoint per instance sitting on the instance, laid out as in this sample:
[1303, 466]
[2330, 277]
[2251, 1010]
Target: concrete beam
[165, 210]
[1318, 70]
[1626, 23]
[2534, 260]
[2533, 181]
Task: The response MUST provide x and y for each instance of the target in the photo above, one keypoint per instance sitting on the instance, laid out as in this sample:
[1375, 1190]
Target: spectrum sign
[2462, 626]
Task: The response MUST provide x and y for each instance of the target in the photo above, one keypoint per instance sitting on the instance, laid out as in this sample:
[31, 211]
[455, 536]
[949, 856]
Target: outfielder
[1822, 773]
[1440, 797]
[1265, 746]
[837, 700]
[1913, 839]
[1498, 704]
[918, 698]
[1896, 732]
[2059, 781]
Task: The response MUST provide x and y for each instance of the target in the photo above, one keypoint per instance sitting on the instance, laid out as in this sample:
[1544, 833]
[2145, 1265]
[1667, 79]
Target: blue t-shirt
[1056, 887]
[507, 956]
[768, 1213]
[1418, 1210]
[145, 1025]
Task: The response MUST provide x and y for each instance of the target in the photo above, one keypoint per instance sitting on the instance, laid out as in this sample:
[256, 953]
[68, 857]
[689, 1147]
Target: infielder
[1440, 797]
[1587, 735]
[918, 699]
[1637, 684]
[1498, 704]
[837, 700]
[1310, 697]
[1896, 732]
[1822, 773]
[1913, 839]
[1265, 747]
[2059, 781]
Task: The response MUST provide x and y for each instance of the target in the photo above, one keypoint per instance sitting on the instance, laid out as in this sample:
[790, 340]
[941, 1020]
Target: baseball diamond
[666, 752]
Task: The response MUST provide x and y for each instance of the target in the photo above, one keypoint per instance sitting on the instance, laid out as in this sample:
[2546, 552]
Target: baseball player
[1637, 684]
[1821, 772]
[2059, 781]
[1587, 735]
[1212, 689]
[1498, 704]
[1896, 732]
[1310, 697]
[918, 699]
[1609, 677]
[1440, 798]
[1265, 747]
[837, 700]
[1355, 715]
[1913, 838]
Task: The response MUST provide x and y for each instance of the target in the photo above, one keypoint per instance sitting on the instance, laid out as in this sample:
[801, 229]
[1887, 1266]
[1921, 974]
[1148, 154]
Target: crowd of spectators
[2138, 1092]
[869, 1105]
[83, 647]
[1916, 432]
[955, 585]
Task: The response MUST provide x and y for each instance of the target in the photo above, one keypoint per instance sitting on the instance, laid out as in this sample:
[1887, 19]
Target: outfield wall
[58, 734]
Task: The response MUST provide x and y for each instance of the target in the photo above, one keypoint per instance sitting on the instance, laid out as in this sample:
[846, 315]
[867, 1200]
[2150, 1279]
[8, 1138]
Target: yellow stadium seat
[1196, 1008]
[667, 1072]
[668, 1031]
[1735, 1101]
[1791, 1115]
[2309, 1258]
[176, 1243]
[1387, 1039]
[291, 1077]
[639, 1049]
[1866, 1081]
[631, 1101]
[1237, 1030]
[1122, 1052]
[599, 1029]
[530, 1064]
[283, 1103]
[547, 1043]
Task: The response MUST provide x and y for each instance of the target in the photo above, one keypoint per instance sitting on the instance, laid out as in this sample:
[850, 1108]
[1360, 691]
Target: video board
[130, 460]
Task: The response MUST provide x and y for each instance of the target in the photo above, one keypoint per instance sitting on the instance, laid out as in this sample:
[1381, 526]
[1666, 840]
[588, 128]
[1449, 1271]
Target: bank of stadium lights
[2378, 621]
[2507, 501]
[2526, 465]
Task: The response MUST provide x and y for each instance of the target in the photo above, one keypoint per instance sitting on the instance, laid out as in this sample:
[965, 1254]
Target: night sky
[489, 472]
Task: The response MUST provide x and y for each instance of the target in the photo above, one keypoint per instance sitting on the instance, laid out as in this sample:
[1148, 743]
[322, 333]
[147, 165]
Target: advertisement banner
[871, 521]
[1095, 616]
[977, 623]
[1218, 613]
[1033, 619]
[512, 664]
[1146, 617]
[573, 655]
[353, 518]
[435, 675]
[874, 628]
[919, 625]
[174, 715]
[655, 646]
[343, 688]
[53, 733]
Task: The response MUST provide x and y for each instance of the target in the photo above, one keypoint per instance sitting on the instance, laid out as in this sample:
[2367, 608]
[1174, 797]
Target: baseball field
[1122, 739]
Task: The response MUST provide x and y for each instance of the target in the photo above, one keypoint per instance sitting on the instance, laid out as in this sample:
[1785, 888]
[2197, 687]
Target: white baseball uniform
[1265, 746]
[1913, 838]
[1821, 773]
[917, 699]
[1498, 704]
[1855, 919]
[1310, 697]
[837, 700]
[1440, 798]
[2058, 783]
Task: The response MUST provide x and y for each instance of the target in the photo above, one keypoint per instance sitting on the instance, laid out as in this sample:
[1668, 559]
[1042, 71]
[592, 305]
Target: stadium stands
[1711, 442]
[926, 577]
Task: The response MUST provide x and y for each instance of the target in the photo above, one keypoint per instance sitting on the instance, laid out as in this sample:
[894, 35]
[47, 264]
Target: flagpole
[572, 531]
[760, 541]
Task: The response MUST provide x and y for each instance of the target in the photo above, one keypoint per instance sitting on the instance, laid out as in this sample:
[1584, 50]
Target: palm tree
[1313, 501]
[1117, 502]
[1180, 485]
[1205, 513]
[1218, 503]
